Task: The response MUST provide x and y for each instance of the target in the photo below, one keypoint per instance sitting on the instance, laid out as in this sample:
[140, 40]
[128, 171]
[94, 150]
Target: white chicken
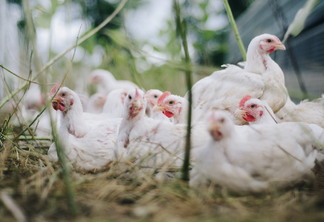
[30, 106]
[106, 82]
[88, 141]
[173, 106]
[306, 111]
[261, 78]
[256, 111]
[96, 103]
[34, 99]
[43, 127]
[152, 97]
[77, 122]
[92, 152]
[255, 158]
[114, 105]
[154, 143]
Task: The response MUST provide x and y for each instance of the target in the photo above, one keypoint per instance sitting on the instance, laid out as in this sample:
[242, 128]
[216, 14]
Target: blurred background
[140, 44]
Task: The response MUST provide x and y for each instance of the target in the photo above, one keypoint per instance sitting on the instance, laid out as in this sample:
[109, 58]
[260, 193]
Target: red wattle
[261, 113]
[248, 117]
[168, 114]
[61, 108]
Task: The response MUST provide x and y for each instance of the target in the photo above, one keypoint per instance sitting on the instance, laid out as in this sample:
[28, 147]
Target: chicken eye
[129, 97]
[63, 94]
[253, 105]
[269, 40]
[155, 96]
[222, 120]
[171, 102]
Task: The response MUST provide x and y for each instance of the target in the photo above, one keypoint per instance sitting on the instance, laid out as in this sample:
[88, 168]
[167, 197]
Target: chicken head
[63, 100]
[270, 43]
[252, 109]
[170, 105]
[152, 97]
[135, 103]
[220, 124]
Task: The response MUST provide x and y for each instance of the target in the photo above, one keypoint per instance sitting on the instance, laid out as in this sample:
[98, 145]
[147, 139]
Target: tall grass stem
[66, 172]
[235, 29]
[182, 32]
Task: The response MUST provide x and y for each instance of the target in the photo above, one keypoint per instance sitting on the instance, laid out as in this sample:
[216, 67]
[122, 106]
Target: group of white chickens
[247, 134]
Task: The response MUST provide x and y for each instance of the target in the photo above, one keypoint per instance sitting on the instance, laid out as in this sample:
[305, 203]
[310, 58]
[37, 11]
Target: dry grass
[125, 193]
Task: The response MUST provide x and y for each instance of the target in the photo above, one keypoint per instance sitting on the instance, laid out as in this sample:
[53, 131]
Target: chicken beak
[280, 46]
[55, 103]
[214, 132]
[213, 128]
[137, 103]
[158, 108]
[240, 112]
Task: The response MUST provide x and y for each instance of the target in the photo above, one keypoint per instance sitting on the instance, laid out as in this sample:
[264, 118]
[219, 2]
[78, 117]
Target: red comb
[137, 94]
[163, 96]
[245, 98]
[54, 89]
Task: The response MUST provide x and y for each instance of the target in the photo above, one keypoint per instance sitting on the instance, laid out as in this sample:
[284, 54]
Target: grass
[126, 193]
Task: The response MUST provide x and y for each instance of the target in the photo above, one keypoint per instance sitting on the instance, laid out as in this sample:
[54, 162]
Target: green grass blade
[235, 29]
[181, 30]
